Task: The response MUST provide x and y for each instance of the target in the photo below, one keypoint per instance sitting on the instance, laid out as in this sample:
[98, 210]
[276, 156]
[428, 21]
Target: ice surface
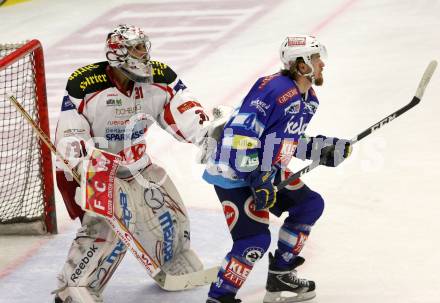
[378, 238]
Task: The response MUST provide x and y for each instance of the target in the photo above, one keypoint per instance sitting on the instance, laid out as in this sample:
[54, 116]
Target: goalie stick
[429, 71]
[166, 281]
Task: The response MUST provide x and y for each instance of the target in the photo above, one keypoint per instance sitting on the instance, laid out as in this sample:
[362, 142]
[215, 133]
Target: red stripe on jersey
[83, 103]
[81, 106]
[93, 96]
[169, 119]
[165, 88]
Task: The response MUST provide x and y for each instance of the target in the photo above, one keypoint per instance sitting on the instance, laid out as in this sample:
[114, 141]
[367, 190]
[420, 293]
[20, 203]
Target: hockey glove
[335, 154]
[263, 190]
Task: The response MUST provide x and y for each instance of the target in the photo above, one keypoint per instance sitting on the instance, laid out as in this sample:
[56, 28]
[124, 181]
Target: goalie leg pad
[93, 257]
[184, 262]
[162, 222]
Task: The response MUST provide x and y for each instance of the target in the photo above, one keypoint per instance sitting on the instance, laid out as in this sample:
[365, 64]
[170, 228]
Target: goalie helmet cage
[27, 204]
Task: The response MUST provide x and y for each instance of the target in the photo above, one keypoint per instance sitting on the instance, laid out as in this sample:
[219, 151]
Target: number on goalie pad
[152, 209]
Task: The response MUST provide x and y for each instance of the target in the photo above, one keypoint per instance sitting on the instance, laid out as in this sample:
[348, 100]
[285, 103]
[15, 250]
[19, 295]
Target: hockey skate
[284, 286]
[224, 299]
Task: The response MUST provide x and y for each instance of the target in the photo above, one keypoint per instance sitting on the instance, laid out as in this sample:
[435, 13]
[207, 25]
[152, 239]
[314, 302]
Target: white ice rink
[378, 240]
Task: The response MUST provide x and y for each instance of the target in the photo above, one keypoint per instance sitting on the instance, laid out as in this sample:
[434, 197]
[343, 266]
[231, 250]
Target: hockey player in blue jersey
[252, 154]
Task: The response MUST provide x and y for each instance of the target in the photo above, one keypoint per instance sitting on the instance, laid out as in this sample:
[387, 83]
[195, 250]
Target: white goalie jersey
[96, 113]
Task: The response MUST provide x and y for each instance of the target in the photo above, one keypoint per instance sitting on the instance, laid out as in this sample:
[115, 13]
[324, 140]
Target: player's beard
[319, 81]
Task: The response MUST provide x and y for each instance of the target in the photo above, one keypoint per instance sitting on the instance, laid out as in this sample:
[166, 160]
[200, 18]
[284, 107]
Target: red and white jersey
[95, 112]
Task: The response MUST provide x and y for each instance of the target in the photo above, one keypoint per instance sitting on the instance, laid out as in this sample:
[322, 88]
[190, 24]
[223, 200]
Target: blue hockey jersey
[263, 131]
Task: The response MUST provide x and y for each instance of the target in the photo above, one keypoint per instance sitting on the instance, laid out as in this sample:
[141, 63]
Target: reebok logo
[84, 261]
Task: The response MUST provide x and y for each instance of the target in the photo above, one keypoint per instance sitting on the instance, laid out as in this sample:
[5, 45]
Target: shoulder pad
[88, 79]
[266, 80]
[162, 73]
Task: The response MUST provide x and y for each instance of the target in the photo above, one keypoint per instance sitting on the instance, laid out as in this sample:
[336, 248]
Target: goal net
[26, 182]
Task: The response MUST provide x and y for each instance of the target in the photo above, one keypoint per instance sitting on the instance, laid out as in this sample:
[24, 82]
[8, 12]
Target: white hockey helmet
[301, 46]
[117, 46]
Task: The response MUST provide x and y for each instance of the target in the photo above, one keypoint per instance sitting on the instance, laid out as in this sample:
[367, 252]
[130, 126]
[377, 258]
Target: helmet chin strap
[311, 74]
[136, 77]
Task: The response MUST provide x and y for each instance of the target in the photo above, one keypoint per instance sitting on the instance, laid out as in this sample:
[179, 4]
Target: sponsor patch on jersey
[293, 108]
[188, 105]
[113, 102]
[179, 86]
[253, 254]
[247, 163]
[286, 152]
[236, 272]
[231, 213]
[119, 134]
[261, 106]
[67, 104]
[241, 142]
[261, 216]
[83, 70]
[132, 153]
[127, 111]
[158, 68]
[118, 122]
[287, 95]
[310, 107]
[296, 41]
[73, 132]
[93, 79]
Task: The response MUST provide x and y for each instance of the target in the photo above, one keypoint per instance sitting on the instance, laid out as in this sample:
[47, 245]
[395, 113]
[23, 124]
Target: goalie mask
[301, 46]
[128, 48]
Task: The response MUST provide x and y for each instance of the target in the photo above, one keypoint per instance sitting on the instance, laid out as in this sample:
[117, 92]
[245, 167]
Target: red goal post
[27, 204]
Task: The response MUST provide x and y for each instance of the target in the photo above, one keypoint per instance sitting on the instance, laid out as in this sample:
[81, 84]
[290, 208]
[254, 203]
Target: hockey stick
[429, 71]
[164, 280]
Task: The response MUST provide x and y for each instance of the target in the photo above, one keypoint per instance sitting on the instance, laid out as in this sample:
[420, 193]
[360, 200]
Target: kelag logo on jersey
[295, 127]
[166, 222]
